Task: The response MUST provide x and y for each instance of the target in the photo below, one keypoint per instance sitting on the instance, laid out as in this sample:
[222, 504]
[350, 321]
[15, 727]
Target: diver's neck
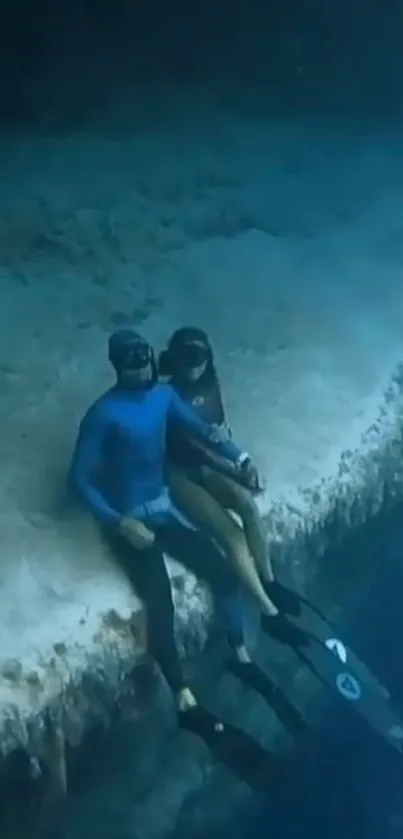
[123, 389]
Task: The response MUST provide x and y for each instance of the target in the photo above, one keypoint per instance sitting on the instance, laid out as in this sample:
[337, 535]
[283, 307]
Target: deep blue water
[347, 782]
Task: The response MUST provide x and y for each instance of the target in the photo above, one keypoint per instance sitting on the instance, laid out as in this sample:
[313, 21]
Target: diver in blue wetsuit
[118, 471]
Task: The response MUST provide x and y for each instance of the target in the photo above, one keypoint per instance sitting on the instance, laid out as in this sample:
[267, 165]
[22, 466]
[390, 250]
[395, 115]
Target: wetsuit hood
[128, 350]
[204, 393]
[122, 344]
[187, 343]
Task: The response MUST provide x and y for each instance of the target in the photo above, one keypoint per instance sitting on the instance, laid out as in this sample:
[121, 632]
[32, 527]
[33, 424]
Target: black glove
[287, 602]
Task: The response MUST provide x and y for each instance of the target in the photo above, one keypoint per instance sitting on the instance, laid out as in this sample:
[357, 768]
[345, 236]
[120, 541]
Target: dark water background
[346, 782]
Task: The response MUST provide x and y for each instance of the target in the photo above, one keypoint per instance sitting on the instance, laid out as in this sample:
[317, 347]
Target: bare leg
[234, 497]
[198, 551]
[206, 511]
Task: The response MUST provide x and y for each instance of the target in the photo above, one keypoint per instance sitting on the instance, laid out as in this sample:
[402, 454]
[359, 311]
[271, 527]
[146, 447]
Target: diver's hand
[249, 476]
[221, 432]
[136, 533]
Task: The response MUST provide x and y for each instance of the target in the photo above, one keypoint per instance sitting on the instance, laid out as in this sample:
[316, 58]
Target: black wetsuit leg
[148, 575]
[197, 552]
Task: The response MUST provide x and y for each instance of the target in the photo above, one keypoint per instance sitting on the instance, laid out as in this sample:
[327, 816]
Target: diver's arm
[87, 454]
[216, 461]
[209, 435]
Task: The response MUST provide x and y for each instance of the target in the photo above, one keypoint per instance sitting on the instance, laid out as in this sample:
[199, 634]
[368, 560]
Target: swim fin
[232, 747]
[285, 631]
[251, 675]
[326, 631]
[318, 647]
[286, 600]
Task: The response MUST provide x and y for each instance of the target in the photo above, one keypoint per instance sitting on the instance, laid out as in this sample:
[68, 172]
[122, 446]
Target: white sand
[283, 239]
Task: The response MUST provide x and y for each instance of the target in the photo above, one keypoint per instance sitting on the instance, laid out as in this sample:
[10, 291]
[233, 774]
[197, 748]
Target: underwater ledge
[51, 709]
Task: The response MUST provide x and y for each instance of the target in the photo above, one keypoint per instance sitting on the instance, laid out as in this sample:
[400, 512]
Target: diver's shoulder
[163, 390]
[102, 407]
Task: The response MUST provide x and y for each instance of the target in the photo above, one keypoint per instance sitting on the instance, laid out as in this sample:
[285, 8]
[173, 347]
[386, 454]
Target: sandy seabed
[282, 237]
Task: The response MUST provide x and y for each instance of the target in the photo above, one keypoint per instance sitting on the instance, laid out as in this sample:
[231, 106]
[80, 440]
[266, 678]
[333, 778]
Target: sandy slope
[283, 239]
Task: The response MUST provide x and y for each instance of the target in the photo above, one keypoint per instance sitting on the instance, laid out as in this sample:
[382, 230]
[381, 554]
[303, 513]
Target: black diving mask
[193, 355]
[137, 356]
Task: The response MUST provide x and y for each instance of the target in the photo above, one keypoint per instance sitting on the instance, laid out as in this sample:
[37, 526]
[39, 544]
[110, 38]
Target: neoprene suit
[118, 470]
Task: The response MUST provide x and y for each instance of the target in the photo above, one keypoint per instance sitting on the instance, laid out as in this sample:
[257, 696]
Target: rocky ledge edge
[100, 682]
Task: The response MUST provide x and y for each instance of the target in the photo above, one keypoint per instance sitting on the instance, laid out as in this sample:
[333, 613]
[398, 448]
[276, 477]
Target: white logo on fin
[335, 646]
[348, 686]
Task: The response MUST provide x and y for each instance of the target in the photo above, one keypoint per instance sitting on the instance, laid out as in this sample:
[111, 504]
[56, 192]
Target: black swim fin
[232, 747]
[284, 631]
[359, 693]
[286, 600]
[251, 675]
[339, 669]
[326, 631]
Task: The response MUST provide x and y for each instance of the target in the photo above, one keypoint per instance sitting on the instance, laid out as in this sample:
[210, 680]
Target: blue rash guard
[119, 459]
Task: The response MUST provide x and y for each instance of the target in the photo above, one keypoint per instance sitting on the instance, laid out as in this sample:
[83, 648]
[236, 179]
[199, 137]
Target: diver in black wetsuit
[118, 472]
[205, 486]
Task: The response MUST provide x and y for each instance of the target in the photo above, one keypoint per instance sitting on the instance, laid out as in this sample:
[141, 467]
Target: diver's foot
[269, 609]
[286, 600]
[186, 700]
[242, 654]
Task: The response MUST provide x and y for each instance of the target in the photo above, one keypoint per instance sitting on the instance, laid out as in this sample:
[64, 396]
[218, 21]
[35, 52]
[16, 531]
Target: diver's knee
[246, 507]
[231, 539]
[236, 548]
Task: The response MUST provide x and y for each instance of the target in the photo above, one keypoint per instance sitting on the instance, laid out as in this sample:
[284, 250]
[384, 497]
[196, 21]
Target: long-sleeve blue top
[119, 458]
